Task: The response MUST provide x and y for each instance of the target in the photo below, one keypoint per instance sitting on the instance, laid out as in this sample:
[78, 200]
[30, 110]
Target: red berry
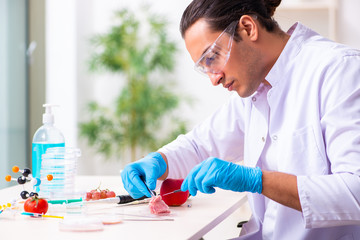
[110, 194]
[96, 196]
[103, 194]
[88, 196]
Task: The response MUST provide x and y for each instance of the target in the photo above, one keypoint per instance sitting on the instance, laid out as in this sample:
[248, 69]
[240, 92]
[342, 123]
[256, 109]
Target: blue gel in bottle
[38, 149]
[47, 136]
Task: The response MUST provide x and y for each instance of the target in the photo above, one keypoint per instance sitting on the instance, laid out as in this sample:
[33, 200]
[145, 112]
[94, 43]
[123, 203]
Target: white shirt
[306, 124]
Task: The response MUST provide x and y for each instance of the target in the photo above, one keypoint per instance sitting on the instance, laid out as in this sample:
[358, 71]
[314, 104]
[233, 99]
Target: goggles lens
[216, 57]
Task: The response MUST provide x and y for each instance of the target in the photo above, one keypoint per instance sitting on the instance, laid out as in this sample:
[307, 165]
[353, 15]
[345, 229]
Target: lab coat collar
[299, 34]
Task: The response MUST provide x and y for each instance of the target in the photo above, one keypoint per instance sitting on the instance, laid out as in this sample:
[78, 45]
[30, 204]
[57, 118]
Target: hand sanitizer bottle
[47, 136]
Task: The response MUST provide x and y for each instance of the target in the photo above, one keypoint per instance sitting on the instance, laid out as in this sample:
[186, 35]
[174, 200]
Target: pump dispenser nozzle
[48, 116]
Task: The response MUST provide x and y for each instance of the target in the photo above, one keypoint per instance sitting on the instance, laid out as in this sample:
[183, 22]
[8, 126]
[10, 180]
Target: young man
[295, 121]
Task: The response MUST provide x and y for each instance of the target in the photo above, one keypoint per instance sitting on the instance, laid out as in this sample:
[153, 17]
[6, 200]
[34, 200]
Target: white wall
[61, 68]
[348, 30]
[70, 84]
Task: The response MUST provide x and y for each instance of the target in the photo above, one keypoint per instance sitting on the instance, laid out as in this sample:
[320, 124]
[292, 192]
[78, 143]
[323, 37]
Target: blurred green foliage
[144, 103]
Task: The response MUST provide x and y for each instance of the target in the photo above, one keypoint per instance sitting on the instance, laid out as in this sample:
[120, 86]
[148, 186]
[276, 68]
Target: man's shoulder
[323, 48]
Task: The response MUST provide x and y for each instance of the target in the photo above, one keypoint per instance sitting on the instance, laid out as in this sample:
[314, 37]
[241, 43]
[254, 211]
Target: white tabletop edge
[219, 219]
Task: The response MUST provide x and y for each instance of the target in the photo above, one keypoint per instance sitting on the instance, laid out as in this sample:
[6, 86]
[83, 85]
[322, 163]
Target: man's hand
[149, 168]
[214, 172]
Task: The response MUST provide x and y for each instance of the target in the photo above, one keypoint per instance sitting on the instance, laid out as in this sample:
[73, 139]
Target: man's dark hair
[220, 13]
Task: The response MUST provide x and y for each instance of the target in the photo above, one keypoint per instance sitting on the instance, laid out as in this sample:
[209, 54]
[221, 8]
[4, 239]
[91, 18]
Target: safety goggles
[217, 55]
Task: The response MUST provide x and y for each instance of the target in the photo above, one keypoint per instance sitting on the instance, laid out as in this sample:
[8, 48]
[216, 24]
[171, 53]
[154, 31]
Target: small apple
[173, 199]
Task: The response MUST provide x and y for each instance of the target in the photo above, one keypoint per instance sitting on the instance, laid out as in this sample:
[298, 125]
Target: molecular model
[27, 177]
[5, 206]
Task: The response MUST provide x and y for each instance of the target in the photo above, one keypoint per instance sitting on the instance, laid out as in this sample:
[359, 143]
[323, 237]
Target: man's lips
[229, 85]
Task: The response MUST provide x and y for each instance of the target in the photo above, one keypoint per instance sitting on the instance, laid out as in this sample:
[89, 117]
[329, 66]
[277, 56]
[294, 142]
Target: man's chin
[243, 94]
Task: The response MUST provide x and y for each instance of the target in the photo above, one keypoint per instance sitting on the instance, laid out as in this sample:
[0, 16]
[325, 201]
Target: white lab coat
[307, 124]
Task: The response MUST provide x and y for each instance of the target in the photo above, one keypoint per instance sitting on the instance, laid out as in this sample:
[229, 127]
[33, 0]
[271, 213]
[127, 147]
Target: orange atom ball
[15, 169]
[50, 177]
[8, 178]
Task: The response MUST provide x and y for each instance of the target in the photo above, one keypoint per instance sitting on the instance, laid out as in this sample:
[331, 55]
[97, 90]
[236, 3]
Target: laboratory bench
[194, 219]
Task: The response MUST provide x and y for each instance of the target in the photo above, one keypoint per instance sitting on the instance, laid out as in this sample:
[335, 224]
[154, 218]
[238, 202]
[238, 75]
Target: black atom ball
[24, 194]
[26, 172]
[21, 180]
[34, 194]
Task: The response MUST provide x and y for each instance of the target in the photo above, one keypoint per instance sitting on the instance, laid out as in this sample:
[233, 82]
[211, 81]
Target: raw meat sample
[158, 206]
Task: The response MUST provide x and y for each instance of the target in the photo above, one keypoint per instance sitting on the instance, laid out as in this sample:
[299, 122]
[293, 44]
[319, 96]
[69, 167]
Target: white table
[192, 220]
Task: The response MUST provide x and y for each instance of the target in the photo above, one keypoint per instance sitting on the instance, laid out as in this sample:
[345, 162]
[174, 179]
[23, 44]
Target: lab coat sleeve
[221, 135]
[334, 199]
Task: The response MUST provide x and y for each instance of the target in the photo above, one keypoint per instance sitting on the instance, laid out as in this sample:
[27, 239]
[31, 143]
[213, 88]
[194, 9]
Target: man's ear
[248, 28]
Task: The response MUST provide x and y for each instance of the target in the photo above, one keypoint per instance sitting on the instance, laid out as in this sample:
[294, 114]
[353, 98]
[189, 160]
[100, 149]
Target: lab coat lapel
[258, 127]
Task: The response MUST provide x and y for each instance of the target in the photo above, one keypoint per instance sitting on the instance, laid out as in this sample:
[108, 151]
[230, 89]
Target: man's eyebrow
[206, 49]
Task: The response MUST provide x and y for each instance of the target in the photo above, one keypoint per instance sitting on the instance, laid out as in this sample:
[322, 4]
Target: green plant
[145, 102]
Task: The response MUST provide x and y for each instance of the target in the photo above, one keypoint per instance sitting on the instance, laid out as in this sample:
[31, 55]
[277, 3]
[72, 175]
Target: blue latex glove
[147, 169]
[214, 172]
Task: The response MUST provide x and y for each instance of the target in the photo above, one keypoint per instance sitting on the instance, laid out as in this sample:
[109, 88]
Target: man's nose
[215, 78]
